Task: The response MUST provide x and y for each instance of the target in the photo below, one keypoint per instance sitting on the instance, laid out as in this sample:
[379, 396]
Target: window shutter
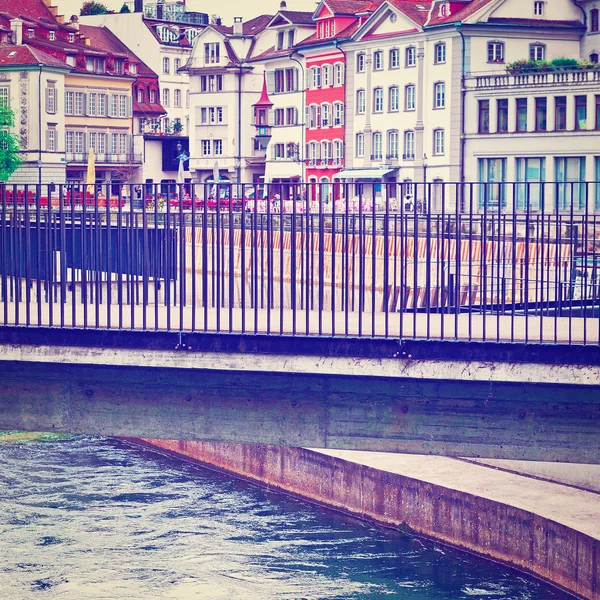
[271, 117]
[306, 117]
[318, 123]
[270, 82]
[295, 79]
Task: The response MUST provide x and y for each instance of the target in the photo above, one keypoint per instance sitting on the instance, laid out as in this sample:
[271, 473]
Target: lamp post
[425, 195]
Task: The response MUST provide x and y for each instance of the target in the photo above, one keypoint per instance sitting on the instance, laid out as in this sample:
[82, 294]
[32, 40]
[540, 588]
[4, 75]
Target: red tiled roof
[256, 25]
[458, 12]
[34, 9]
[271, 53]
[411, 9]
[297, 17]
[26, 55]
[104, 40]
[345, 34]
[351, 7]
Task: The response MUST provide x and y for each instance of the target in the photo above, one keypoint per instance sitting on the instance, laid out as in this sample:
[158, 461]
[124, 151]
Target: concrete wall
[510, 535]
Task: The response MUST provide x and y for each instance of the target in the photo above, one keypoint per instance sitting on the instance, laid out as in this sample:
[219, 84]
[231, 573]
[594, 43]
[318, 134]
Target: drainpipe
[40, 124]
[239, 136]
[302, 110]
[462, 105]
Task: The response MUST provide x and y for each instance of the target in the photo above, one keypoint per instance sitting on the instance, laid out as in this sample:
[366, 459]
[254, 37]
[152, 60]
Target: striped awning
[362, 173]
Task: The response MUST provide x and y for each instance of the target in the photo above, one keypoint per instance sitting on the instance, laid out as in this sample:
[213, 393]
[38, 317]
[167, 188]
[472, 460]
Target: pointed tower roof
[264, 101]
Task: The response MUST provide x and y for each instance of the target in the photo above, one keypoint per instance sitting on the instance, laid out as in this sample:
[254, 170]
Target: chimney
[16, 26]
[74, 22]
[138, 6]
[282, 5]
[238, 26]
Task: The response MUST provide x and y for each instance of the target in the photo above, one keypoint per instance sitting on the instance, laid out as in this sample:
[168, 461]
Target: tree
[10, 159]
[93, 8]
[124, 8]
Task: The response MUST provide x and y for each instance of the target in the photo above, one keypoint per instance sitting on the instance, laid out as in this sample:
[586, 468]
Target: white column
[493, 115]
[570, 112]
[512, 114]
[591, 114]
[550, 113]
[530, 113]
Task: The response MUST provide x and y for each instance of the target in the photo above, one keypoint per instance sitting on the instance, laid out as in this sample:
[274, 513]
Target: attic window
[393, 17]
[71, 37]
[11, 54]
[52, 35]
[132, 68]
[30, 32]
[444, 9]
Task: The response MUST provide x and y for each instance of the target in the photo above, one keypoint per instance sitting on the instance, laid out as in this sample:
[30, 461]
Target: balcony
[558, 78]
[161, 129]
[116, 159]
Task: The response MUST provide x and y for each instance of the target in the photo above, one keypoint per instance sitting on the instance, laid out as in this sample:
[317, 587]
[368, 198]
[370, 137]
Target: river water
[100, 519]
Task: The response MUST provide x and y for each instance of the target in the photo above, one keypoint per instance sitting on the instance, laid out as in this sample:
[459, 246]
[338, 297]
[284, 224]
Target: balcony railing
[121, 159]
[162, 130]
[503, 79]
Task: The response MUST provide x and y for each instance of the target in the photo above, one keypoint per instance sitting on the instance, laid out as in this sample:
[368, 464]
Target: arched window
[325, 190]
[594, 57]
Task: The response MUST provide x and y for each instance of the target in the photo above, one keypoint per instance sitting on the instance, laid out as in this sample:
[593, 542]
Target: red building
[325, 101]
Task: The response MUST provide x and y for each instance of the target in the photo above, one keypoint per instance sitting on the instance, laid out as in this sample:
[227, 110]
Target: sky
[227, 8]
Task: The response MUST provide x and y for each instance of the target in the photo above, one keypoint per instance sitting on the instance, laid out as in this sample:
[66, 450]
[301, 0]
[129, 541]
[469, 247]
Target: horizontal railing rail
[495, 262]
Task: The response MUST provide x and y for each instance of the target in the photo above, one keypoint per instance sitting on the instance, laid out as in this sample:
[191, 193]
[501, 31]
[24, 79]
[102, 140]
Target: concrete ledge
[401, 368]
[526, 539]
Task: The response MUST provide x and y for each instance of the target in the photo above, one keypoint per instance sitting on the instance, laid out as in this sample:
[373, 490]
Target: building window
[69, 142]
[166, 97]
[176, 65]
[594, 58]
[51, 98]
[71, 37]
[30, 32]
[279, 117]
[502, 123]
[594, 20]
[377, 146]
[92, 102]
[79, 99]
[79, 146]
[560, 113]
[177, 98]
[538, 8]
[339, 74]
[409, 97]
[140, 95]
[439, 53]
[537, 52]
[597, 124]
[206, 147]
[411, 57]
[569, 173]
[52, 35]
[314, 116]
[280, 38]
[69, 103]
[483, 108]
[5, 97]
[325, 115]
[166, 65]
[580, 112]
[360, 144]
[530, 175]
[394, 58]
[132, 68]
[338, 113]
[101, 105]
[540, 114]
[360, 63]
[378, 100]
[495, 52]
[123, 106]
[217, 147]
[378, 60]
[392, 144]
[360, 102]
[439, 95]
[291, 116]
[152, 97]
[338, 151]
[326, 69]
[211, 83]
[316, 77]
[438, 141]
[394, 99]
[409, 145]
[211, 53]
[51, 139]
[492, 175]
[290, 42]
[521, 124]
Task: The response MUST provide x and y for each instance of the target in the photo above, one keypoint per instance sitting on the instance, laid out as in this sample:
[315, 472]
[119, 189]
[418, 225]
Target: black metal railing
[498, 262]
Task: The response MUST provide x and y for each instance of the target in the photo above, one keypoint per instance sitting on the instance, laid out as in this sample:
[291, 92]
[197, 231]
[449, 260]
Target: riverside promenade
[542, 518]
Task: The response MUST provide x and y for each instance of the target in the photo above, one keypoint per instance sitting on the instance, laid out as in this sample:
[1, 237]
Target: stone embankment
[547, 528]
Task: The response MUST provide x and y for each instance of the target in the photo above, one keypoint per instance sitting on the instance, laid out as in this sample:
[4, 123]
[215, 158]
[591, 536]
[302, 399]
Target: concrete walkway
[557, 500]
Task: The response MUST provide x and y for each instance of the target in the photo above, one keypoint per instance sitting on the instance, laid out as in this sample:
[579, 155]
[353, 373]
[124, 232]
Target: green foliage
[124, 8]
[93, 8]
[10, 159]
[522, 67]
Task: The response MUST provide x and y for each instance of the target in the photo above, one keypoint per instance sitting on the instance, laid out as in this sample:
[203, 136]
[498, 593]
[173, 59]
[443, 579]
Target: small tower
[262, 110]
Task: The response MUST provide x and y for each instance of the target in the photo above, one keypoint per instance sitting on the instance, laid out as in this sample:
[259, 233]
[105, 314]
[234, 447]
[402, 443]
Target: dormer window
[52, 35]
[326, 29]
[119, 67]
[211, 53]
[30, 32]
[71, 37]
[71, 61]
[132, 68]
[444, 9]
[280, 38]
[291, 38]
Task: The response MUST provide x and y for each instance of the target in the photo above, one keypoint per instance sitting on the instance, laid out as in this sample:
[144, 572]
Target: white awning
[362, 173]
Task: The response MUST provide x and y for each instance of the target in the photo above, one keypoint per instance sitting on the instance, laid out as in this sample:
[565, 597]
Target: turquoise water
[100, 519]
